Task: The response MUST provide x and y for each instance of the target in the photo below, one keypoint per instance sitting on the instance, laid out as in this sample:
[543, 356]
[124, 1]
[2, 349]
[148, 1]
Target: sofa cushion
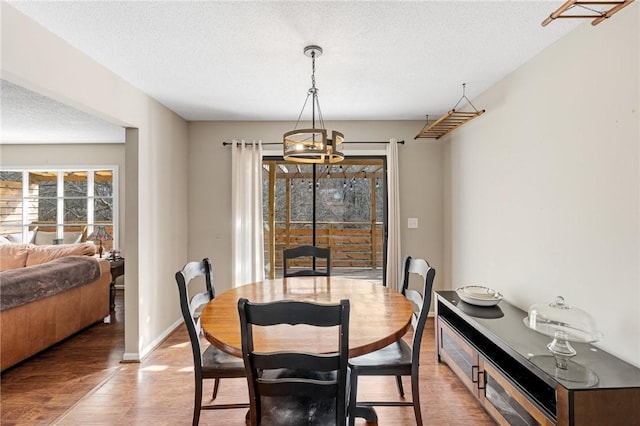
[13, 255]
[73, 237]
[42, 254]
[45, 237]
[17, 237]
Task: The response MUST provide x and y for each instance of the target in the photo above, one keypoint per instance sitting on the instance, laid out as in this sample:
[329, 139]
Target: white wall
[155, 243]
[543, 189]
[210, 185]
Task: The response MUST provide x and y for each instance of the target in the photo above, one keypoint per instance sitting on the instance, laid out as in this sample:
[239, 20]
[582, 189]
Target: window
[62, 203]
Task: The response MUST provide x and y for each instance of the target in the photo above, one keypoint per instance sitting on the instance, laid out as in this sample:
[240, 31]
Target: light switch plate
[412, 222]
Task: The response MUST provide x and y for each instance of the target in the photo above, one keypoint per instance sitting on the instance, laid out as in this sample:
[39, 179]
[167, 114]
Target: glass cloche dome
[565, 324]
[548, 318]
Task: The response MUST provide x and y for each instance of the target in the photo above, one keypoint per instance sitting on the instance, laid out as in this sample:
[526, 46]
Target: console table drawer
[459, 356]
[504, 402]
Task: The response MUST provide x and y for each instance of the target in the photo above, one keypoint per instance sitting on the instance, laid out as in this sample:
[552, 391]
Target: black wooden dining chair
[212, 363]
[398, 359]
[312, 252]
[291, 388]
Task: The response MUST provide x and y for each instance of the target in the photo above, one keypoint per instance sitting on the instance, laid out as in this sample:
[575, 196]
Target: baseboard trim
[133, 357]
[130, 357]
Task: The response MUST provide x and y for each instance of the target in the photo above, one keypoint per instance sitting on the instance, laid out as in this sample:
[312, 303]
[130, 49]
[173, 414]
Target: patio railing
[356, 245]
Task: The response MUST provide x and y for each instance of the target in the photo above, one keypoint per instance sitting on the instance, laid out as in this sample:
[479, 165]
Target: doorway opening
[340, 206]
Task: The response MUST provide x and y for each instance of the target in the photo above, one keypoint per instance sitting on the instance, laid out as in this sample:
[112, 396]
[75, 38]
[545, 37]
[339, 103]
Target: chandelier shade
[312, 145]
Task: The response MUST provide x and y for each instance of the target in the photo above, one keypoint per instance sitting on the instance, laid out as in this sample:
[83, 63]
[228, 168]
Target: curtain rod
[225, 143]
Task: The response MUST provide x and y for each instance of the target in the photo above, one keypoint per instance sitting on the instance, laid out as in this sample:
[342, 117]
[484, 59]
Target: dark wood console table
[490, 349]
[117, 269]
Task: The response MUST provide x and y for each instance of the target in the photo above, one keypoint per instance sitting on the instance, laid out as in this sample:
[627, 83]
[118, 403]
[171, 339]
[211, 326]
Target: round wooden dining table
[378, 315]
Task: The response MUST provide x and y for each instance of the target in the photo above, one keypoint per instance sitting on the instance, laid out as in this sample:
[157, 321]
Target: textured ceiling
[243, 60]
[29, 117]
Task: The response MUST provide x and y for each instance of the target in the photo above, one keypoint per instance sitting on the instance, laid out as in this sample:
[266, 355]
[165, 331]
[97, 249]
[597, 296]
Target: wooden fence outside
[11, 207]
[353, 245]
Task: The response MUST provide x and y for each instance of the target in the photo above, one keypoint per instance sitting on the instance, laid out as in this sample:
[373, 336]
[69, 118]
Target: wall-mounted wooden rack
[449, 121]
[565, 11]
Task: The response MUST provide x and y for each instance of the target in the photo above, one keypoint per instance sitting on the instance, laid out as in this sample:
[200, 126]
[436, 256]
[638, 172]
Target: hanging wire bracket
[464, 96]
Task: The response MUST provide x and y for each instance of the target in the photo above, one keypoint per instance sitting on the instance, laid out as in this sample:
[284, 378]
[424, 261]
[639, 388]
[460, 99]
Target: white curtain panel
[394, 256]
[247, 242]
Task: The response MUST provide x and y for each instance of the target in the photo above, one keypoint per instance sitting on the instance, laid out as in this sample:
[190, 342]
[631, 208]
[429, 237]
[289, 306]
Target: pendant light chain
[313, 71]
[314, 91]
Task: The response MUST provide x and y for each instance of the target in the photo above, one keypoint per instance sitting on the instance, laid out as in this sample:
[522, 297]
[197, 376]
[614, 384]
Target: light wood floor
[82, 382]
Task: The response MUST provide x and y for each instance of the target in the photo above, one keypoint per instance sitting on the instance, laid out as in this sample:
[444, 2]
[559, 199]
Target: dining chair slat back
[290, 387]
[419, 300]
[312, 252]
[398, 359]
[212, 363]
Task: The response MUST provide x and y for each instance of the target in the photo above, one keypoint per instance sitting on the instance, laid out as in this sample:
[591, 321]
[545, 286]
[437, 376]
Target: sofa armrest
[105, 266]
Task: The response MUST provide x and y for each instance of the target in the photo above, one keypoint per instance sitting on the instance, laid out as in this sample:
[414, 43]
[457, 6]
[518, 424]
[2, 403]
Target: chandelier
[312, 145]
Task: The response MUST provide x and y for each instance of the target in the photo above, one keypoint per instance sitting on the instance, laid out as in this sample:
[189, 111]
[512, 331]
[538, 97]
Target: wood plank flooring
[82, 382]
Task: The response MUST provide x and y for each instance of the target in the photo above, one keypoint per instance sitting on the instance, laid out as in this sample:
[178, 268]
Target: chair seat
[219, 364]
[395, 358]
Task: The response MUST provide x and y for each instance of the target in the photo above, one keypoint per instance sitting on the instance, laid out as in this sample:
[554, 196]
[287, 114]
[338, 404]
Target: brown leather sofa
[32, 327]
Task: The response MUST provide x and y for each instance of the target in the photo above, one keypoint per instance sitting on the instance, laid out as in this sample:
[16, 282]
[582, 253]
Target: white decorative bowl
[479, 295]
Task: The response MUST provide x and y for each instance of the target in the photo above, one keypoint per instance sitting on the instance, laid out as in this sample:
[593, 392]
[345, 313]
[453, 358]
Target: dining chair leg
[216, 383]
[399, 384]
[415, 395]
[353, 391]
[197, 403]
